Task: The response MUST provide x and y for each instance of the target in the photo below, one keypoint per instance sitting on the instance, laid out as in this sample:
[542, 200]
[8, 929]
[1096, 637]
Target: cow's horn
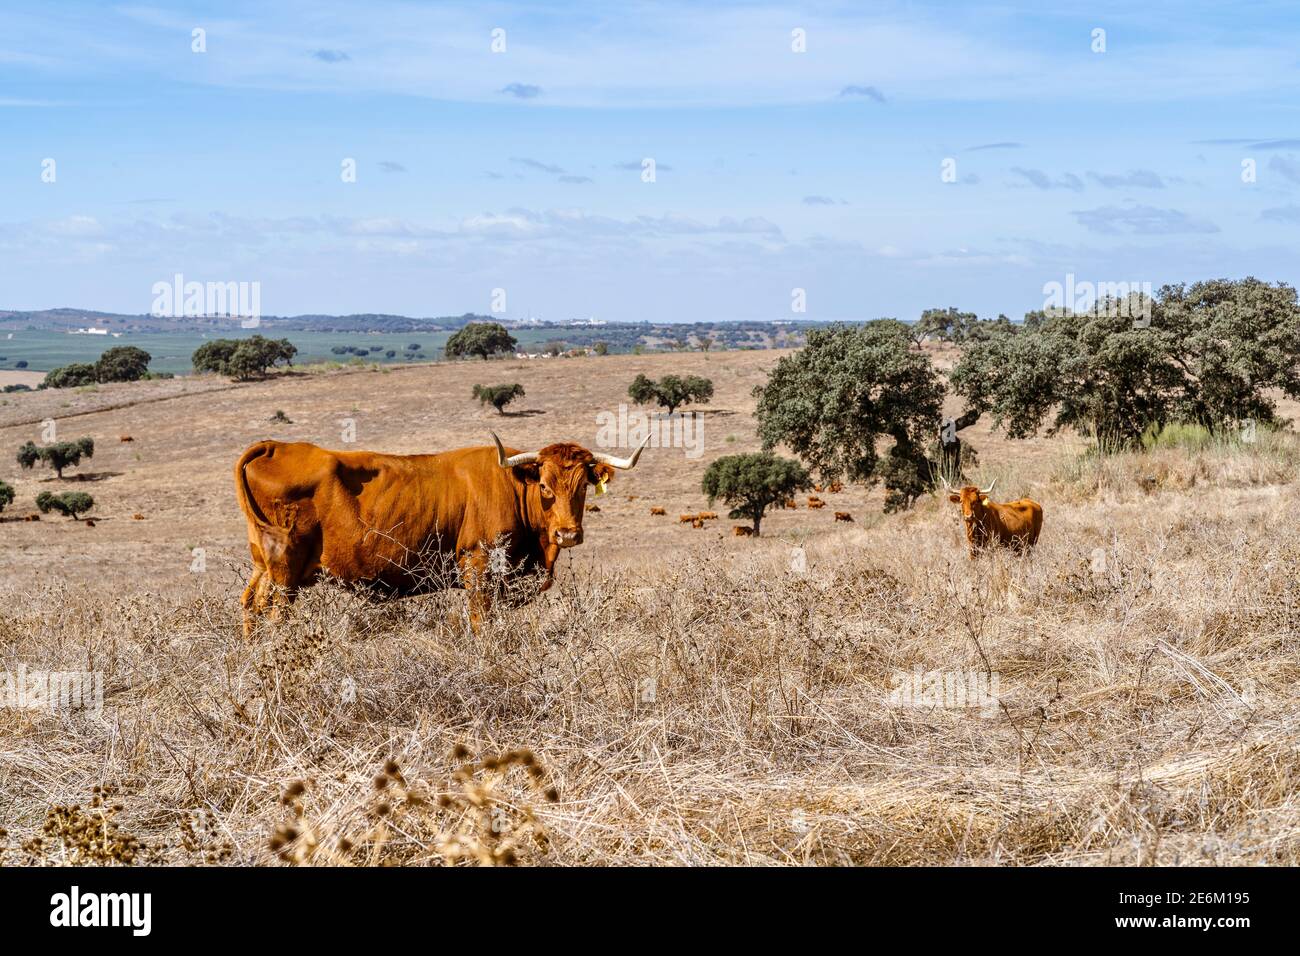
[522, 458]
[989, 489]
[624, 463]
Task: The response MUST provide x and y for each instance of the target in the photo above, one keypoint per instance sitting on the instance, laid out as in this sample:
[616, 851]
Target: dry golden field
[681, 696]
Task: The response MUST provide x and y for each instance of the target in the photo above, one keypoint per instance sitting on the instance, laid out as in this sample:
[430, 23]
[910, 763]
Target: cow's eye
[546, 491]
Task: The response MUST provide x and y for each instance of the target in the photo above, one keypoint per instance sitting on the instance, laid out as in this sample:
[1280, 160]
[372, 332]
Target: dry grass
[713, 705]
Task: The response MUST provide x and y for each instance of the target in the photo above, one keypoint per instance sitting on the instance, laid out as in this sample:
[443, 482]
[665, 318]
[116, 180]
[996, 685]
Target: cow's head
[562, 473]
[974, 502]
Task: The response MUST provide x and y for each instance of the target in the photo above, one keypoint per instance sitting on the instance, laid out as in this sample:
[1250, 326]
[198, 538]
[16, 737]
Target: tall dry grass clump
[740, 704]
[1180, 457]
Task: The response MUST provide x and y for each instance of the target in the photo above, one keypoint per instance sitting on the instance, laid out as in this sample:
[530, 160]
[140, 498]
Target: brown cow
[137, 517]
[843, 516]
[835, 487]
[125, 438]
[687, 519]
[1016, 523]
[815, 502]
[707, 515]
[791, 504]
[377, 519]
[742, 531]
[658, 511]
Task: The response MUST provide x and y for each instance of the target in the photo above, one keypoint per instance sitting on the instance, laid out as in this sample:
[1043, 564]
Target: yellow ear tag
[984, 502]
[600, 487]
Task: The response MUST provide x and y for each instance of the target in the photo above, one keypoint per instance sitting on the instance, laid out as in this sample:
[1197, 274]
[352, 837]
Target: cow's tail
[246, 500]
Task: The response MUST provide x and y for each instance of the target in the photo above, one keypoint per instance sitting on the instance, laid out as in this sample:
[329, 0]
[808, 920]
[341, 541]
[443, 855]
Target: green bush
[749, 484]
[122, 363]
[69, 503]
[71, 376]
[498, 396]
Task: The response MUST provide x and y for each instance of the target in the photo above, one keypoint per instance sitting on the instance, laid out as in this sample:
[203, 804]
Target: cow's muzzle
[567, 537]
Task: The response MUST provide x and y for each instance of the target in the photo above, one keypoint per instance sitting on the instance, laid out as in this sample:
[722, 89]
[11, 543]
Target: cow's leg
[276, 577]
[474, 578]
[249, 599]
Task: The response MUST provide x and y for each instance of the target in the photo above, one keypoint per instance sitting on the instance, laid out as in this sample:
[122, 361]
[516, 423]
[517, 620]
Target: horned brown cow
[378, 519]
[1015, 523]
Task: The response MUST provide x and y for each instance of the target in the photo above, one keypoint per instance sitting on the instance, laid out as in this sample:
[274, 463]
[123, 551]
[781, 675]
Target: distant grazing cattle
[632, 497]
[90, 522]
[698, 522]
[1016, 523]
[815, 502]
[137, 517]
[33, 517]
[835, 487]
[658, 511]
[686, 519]
[791, 504]
[707, 515]
[843, 516]
[125, 438]
[378, 519]
[593, 508]
[742, 531]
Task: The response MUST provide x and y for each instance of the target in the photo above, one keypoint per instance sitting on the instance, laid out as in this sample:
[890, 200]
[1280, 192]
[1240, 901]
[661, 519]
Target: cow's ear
[598, 473]
[955, 499]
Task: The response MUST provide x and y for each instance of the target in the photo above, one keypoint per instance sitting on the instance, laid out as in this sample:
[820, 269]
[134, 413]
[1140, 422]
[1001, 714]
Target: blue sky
[521, 170]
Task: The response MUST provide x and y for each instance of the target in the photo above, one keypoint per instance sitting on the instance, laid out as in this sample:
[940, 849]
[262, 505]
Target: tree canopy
[749, 484]
[122, 363]
[671, 391]
[70, 503]
[483, 339]
[849, 387]
[243, 359]
[1210, 355]
[60, 455]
